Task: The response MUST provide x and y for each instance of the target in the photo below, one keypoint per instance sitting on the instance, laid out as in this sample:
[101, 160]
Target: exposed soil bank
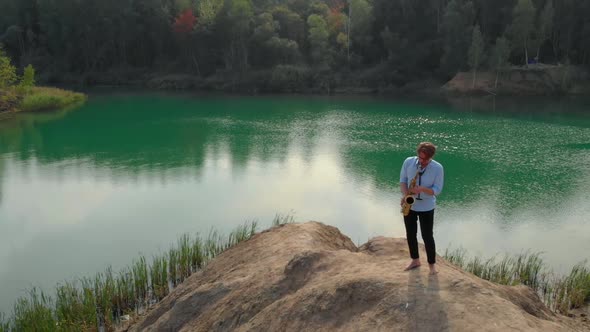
[310, 277]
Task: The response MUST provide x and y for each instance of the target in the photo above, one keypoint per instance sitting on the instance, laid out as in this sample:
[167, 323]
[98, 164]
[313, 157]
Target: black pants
[426, 225]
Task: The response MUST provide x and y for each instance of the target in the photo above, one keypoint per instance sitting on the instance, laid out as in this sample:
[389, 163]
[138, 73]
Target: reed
[241, 233]
[159, 277]
[529, 269]
[75, 307]
[125, 292]
[559, 293]
[502, 272]
[95, 303]
[456, 256]
[4, 324]
[184, 257]
[197, 258]
[140, 282]
[578, 284]
[105, 290]
[34, 313]
[282, 219]
[571, 291]
[89, 302]
[173, 266]
[214, 244]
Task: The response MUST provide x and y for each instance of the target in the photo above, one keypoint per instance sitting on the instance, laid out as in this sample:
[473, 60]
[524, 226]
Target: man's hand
[421, 189]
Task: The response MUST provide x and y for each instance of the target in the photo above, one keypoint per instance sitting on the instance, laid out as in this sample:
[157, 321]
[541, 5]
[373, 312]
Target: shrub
[9, 99]
[289, 78]
[28, 79]
[7, 71]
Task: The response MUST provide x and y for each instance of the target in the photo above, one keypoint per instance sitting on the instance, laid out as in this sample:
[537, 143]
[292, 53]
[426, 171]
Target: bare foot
[414, 264]
[433, 269]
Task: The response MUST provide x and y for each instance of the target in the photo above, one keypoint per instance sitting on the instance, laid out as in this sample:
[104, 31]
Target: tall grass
[3, 323]
[34, 313]
[44, 98]
[559, 293]
[99, 302]
[75, 306]
[282, 219]
[159, 278]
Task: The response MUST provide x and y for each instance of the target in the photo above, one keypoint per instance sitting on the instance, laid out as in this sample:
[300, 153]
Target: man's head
[425, 152]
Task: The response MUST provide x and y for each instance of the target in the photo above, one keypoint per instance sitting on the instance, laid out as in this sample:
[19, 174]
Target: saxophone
[409, 198]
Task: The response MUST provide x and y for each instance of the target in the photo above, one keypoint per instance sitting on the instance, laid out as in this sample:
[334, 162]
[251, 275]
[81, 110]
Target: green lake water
[127, 173]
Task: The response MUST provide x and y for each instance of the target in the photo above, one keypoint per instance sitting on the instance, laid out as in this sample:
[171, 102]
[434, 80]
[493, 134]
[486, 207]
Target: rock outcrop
[310, 277]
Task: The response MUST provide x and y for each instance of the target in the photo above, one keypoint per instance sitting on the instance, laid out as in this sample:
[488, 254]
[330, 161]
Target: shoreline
[86, 302]
[539, 80]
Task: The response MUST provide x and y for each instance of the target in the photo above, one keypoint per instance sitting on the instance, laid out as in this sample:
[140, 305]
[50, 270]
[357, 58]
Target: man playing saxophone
[422, 179]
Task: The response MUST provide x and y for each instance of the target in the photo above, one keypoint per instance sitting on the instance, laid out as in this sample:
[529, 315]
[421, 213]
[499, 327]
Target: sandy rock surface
[310, 277]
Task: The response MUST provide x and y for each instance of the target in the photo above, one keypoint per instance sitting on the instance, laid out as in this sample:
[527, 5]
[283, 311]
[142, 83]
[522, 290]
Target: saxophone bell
[408, 202]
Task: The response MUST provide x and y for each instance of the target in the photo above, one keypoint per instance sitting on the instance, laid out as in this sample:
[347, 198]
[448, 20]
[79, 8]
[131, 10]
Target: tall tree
[318, 39]
[268, 48]
[523, 19]
[235, 25]
[545, 29]
[457, 31]
[475, 52]
[360, 24]
[494, 17]
[499, 57]
[184, 26]
[291, 25]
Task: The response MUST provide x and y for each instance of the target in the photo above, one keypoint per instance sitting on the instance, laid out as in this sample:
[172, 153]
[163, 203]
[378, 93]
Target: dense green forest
[370, 42]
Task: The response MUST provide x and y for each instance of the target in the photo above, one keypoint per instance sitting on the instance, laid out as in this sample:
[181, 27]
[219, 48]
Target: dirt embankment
[538, 79]
[310, 277]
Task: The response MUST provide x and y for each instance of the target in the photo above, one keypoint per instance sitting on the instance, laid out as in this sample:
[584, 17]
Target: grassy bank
[45, 98]
[104, 300]
[15, 99]
[559, 293]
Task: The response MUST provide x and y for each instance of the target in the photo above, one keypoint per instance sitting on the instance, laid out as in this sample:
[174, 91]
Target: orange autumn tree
[336, 19]
[337, 22]
[183, 26]
[185, 22]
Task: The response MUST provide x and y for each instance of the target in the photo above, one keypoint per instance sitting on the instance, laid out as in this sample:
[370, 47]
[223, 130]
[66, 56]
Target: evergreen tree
[28, 79]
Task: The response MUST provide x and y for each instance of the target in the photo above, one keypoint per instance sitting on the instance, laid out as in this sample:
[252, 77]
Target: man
[429, 183]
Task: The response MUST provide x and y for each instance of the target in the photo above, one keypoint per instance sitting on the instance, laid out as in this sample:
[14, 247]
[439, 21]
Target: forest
[290, 42]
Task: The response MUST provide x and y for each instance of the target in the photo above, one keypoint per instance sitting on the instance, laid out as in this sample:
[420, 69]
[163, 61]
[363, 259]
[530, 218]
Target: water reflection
[557, 229]
[125, 174]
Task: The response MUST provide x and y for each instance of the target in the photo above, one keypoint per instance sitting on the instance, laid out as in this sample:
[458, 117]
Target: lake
[127, 173]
